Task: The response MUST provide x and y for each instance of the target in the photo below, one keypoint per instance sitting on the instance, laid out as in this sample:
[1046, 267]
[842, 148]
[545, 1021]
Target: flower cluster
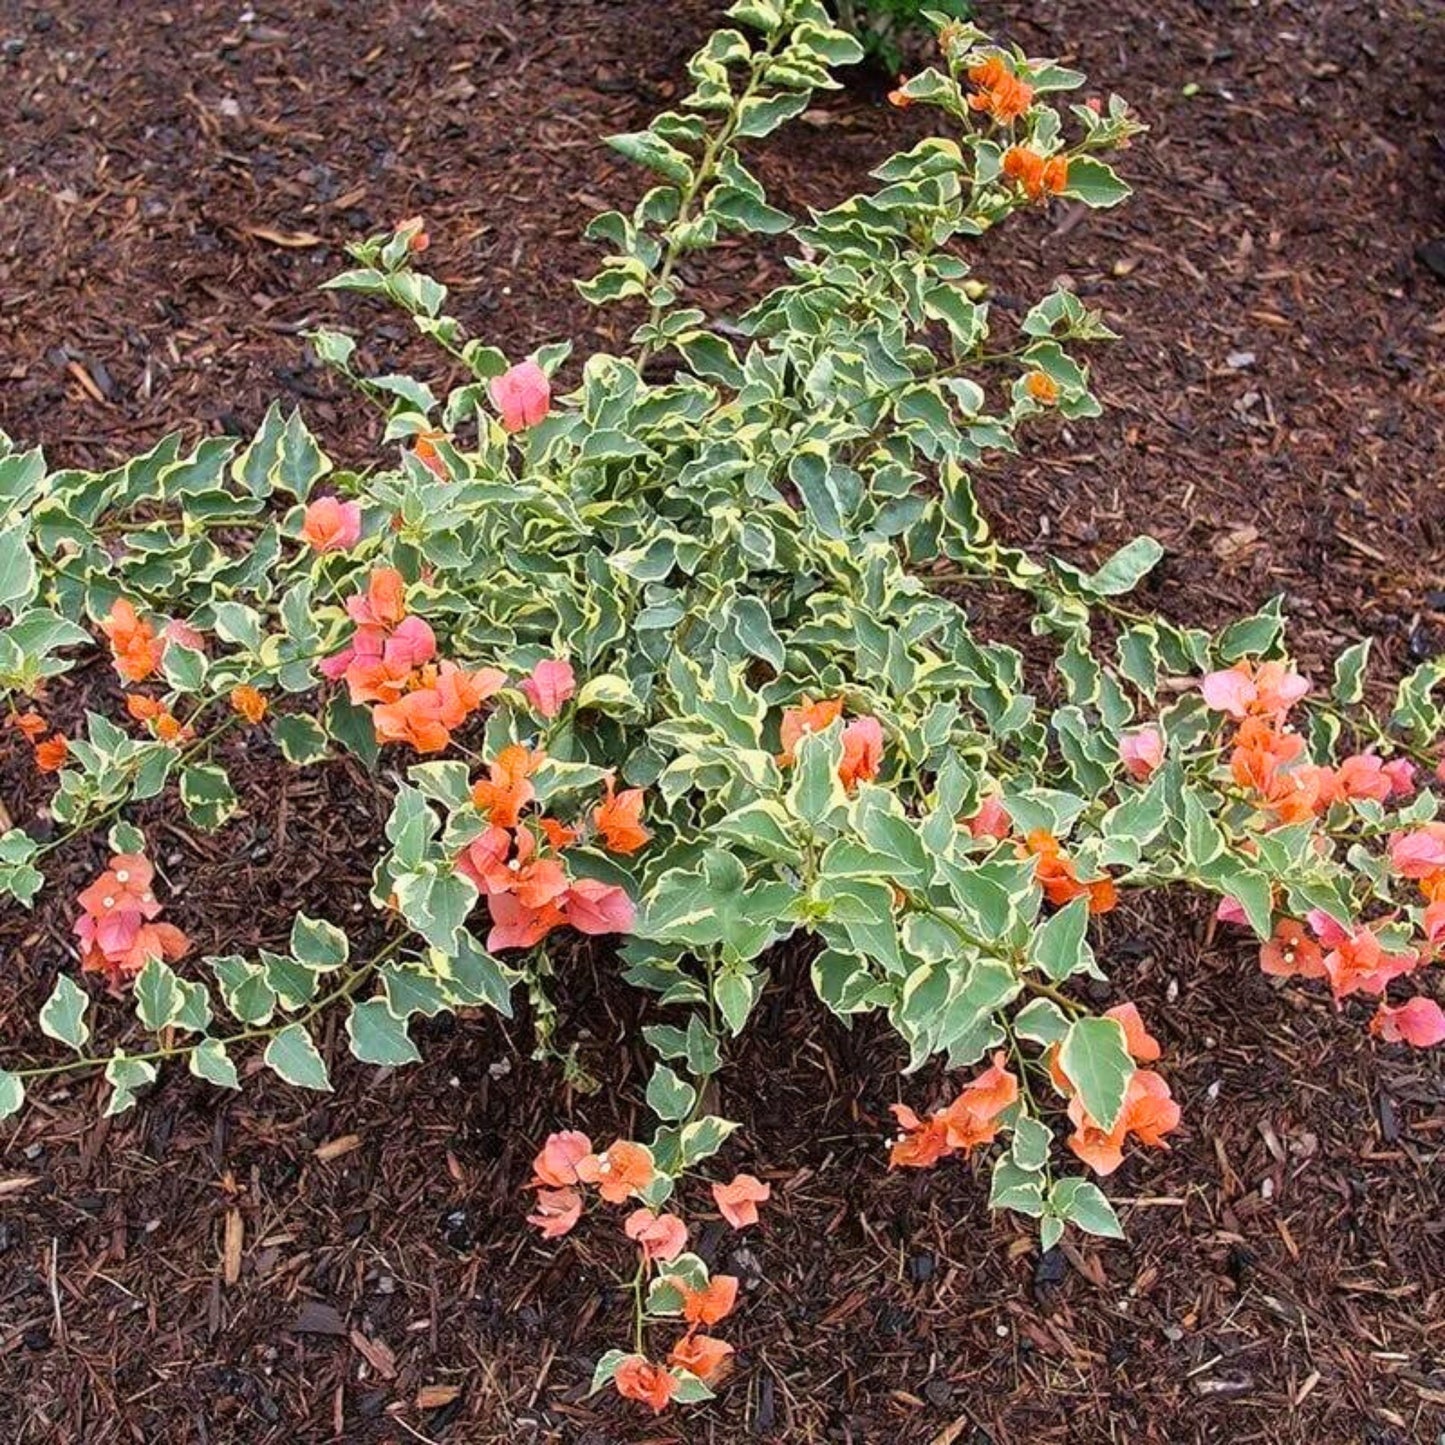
[331, 525]
[50, 752]
[1056, 872]
[389, 662]
[518, 864]
[862, 738]
[159, 720]
[117, 926]
[976, 1115]
[970, 1120]
[1268, 762]
[1149, 1111]
[1039, 177]
[999, 93]
[566, 1166]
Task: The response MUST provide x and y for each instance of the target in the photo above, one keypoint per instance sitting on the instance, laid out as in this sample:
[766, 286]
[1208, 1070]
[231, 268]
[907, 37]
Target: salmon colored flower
[183, 634]
[248, 702]
[170, 729]
[117, 930]
[701, 1355]
[134, 645]
[414, 720]
[921, 1143]
[1291, 952]
[331, 525]
[1001, 94]
[123, 946]
[1041, 387]
[972, 1118]
[539, 883]
[1141, 752]
[515, 925]
[1363, 776]
[1142, 1045]
[622, 1169]
[1231, 910]
[1270, 690]
[991, 820]
[485, 860]
[713, 1302]
[383, 604]
[1037, 176]
[1059, 880]
[1260, 752]
[900, 97]
[556, 1212]
[424, 448]
[551, 684]
[1358, 963]
[1149, 1113]
[1419, 1022]
[594, 907]
[51, 754]
[638, 1378]
[738, 1199]
[1420, 852]
[862, 752]
[443, 698]
[31, 725]
[559, 835]
[508, 789]
[800, 722]
[618, 819]
[661, 1237]
[143, 708]
[522, 395]
[1434, 923]
[1401, 773]
[125, 885]
[556, 1164]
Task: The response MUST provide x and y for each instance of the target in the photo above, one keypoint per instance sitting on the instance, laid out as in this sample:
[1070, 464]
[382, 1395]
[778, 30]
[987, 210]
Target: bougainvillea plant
[672, 652]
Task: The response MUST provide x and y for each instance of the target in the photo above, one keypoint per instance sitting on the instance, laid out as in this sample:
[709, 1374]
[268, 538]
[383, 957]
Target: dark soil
[177, 181]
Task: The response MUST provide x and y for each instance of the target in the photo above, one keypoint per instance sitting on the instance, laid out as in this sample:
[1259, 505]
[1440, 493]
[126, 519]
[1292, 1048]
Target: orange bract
[620, 1170]
[1042, 387]
[799, 722]
[1001, 94]
[639, 1379]
[1059, 880]
[51, 754]
[660, 1236]
[557, 1212]
[133, 642]
[713, 1302]
[618, 820]
[250, 703]
[1292, 953]
[507, 791]
[557, 1163]
[701, 1355]
[31, 724]
[1036, 175]
[1149, 1113]
[739, 1199]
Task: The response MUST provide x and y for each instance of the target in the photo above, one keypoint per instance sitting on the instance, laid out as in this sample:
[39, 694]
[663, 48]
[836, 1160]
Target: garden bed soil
[273, 1267]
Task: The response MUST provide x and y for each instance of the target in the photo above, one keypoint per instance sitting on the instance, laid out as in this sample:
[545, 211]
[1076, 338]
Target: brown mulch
[276, 1268]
